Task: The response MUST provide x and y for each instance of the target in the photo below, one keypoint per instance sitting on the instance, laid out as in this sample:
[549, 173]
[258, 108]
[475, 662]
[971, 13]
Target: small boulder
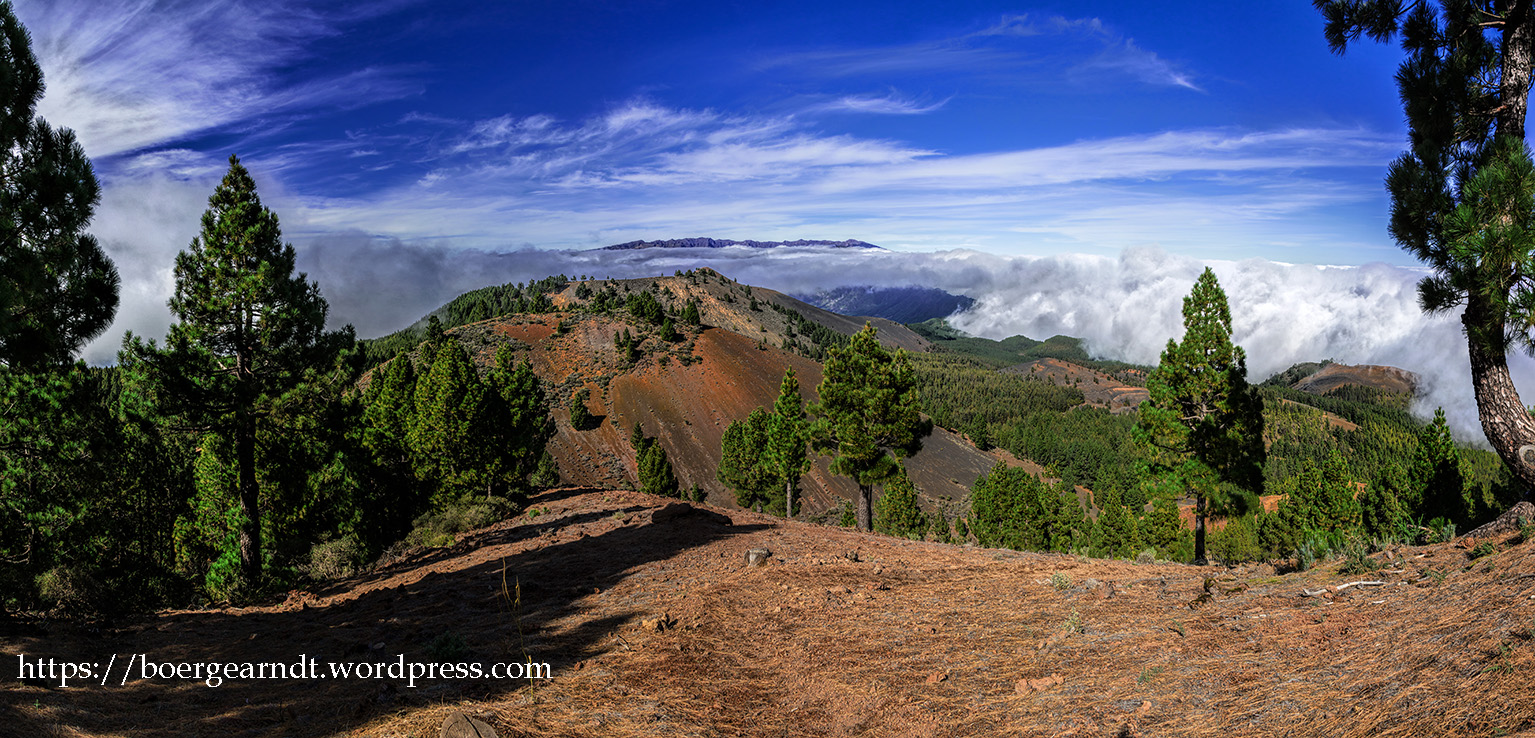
[757, 556]
[459, 725]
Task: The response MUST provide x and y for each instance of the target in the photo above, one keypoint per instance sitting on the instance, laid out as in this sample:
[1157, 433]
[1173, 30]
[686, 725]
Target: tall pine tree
[868, 415]
[525, 425]
[248, 330]
[1463, 194]
[787, 434]
[1202, 422]
[454, 419]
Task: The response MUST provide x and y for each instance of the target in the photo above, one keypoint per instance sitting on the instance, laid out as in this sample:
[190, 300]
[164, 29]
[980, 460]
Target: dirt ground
[659, 628]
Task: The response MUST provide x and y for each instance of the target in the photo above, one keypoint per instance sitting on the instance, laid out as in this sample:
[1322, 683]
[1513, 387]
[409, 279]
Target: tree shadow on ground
[492, 610]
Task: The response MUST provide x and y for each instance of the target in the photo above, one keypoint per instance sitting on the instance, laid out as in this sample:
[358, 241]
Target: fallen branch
[1342, 587]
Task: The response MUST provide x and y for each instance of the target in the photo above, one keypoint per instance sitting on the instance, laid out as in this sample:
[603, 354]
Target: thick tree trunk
[1505, 420]
[865, 508]
[1199, 530]
[788, 499]
[250, 527]
[1518, 51]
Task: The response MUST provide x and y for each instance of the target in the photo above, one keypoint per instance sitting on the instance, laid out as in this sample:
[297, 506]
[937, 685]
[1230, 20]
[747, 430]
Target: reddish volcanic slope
[1332, 376]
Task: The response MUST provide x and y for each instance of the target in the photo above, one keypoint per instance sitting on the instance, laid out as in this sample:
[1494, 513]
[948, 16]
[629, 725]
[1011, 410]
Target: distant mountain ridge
[719, 243]
[900, 304]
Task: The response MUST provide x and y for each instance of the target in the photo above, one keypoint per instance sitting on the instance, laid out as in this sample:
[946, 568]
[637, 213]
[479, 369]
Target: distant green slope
[1013, 349]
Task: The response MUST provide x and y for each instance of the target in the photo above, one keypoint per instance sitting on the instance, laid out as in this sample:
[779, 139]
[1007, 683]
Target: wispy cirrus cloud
[1020, 49]
[127, 76]
[891, 103]
[644, 170]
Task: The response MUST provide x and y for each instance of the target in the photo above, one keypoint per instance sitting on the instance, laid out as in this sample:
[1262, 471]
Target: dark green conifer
[656, 476]
[248, 332]
[1203, 423]
[454, 422]
[868, 415]
[897, 512]
[1435, 476]
[787, 435]
[742, 466]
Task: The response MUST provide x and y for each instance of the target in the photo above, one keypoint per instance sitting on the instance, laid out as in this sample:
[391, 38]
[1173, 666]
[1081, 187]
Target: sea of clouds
[1124, 307]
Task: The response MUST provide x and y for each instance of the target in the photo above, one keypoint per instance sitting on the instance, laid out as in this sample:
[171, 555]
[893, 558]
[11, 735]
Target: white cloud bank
[1124, 307]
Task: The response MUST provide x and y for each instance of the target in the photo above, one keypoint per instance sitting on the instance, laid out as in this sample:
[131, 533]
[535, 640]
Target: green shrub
[1356, 557]
[441, 527]
[70, 590]
[1485, 548]
[1236, 542]
[447, 648]
[333, 559]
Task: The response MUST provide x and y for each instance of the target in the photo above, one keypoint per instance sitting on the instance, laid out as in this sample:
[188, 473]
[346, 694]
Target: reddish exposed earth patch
[1332, 376]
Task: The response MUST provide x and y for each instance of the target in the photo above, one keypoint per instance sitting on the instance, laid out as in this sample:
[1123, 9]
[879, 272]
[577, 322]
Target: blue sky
[1071, 166]
[1213, 131]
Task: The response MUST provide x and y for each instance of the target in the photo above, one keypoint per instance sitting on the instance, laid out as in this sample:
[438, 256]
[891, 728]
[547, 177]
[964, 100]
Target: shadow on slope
[506, 594]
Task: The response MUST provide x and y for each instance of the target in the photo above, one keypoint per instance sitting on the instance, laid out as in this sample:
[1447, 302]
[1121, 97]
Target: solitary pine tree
[787, 434]
[248, 330]
[868, 415]
[1463, 194]
[656, 476]
[580, 417]
[1202, 422]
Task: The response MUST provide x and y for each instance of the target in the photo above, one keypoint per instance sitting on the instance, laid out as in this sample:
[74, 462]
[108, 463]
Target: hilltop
[685, 393]
[1384, 378]
[656, 627]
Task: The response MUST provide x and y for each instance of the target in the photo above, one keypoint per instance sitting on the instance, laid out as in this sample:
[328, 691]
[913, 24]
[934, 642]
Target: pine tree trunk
[788, 499]
[1505, 420]
[1518, 52]
[250, 526]
[865, 508]
[1199, 530]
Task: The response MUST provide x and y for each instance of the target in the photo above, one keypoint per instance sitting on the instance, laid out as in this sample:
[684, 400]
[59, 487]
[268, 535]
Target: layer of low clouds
[1125, 307]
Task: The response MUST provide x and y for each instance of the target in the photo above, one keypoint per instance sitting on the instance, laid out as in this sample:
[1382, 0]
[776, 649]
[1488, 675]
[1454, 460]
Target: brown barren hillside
[687, 392]
[655, 627]
[1332, 376]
